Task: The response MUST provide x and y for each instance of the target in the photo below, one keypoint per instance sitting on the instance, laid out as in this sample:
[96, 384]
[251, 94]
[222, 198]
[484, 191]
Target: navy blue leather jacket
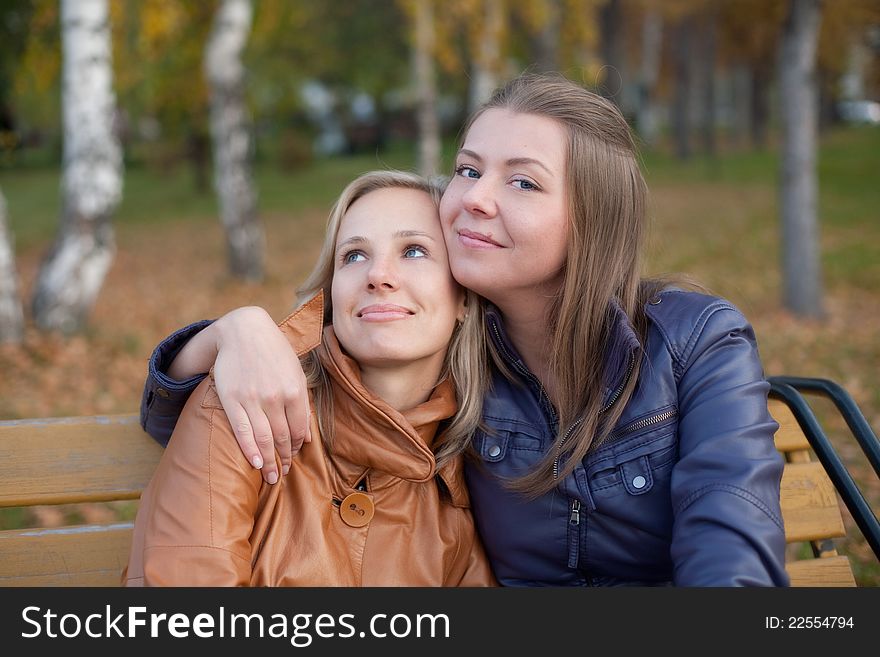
[685, 491]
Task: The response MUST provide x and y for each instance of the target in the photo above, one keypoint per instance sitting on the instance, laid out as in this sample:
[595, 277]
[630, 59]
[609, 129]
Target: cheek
[340, 299]
[449, 203]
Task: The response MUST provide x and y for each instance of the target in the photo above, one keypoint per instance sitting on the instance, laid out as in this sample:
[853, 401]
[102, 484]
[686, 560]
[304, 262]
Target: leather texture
[208, 519]
[684, 492]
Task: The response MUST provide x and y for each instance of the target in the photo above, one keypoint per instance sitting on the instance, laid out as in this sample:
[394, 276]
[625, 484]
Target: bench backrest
[810, 509]
[69, 461]
[98, 459]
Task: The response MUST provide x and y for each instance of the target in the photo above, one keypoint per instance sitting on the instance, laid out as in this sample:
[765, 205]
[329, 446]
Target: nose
[382, 274]
[479, 198]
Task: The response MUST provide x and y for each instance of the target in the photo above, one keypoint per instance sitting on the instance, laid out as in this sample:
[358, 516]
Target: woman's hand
[259, 381]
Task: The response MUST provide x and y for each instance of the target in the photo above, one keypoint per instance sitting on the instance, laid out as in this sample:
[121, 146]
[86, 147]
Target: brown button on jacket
[208, 519]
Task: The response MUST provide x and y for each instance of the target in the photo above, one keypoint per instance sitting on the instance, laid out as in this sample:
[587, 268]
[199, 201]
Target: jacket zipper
[644, 423]
[545, 398]
[614, 396]
[574, 534]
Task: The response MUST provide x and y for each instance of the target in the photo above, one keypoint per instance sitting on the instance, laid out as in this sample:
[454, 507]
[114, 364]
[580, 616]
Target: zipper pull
[575, 518]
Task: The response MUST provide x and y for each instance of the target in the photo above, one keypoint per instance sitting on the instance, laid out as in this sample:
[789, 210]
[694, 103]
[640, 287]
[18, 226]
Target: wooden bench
[810, 509]
[99, 459]
[71, 461]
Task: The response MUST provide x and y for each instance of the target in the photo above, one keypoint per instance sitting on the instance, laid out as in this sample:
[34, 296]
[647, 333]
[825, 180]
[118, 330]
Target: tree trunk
[798, 184]
[760, 106]
[426, 90]
[545, 44]
[652, 45]
[232, 139]
[708, 48]
[72, 274]
[612, 48]
[681, 110]
[11, 314]
[487, 63]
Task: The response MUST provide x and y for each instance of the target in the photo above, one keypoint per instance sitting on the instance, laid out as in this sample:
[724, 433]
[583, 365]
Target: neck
[402, 386]
[528, 327]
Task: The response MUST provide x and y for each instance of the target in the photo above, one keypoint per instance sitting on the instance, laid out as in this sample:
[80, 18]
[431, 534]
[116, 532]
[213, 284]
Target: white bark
[232, 139]
[73, 272]
[11, 314]
[426, 90]
[798, 186]
[487, 63]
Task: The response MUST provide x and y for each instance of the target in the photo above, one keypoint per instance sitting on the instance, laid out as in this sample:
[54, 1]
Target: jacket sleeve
[164, 398]
[728, 528]
[196, 518]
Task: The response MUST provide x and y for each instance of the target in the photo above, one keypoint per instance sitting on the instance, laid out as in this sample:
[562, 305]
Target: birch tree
[426, 89]
[11, 315]
[73, 272]
[231, 134]
[798, 177]
[487, 60]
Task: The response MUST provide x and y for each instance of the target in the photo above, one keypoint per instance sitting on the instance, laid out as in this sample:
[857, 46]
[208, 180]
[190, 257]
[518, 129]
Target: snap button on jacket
[208, 519]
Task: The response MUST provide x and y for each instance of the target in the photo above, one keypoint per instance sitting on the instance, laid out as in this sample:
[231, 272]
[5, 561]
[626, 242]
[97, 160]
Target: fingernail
[273, 477]
[257, 462]
[285, 469]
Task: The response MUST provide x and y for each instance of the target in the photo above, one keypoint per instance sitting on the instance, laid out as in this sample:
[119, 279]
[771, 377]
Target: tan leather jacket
[208, 519]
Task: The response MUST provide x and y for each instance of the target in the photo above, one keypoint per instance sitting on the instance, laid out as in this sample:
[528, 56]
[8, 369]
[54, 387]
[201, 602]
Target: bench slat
[809, 503]
[74, 460]
[789, 437]
[831, 571]
[85, 555]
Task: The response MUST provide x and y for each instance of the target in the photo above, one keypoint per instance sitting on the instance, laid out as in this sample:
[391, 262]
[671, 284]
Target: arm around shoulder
[164, 396]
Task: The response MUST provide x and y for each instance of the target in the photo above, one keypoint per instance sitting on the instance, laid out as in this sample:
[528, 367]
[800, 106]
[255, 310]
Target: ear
[461, 315]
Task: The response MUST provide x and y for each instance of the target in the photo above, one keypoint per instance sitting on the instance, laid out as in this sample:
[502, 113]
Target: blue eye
[525, 185]
[352, 256]
[466, 171]
[415, 252]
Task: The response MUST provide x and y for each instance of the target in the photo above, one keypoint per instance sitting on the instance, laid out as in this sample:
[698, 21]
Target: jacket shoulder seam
[681, 354]
[733, 490]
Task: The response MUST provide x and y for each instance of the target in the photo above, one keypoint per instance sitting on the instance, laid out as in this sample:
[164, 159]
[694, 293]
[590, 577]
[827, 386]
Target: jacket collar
[622, 348]
[370, 434]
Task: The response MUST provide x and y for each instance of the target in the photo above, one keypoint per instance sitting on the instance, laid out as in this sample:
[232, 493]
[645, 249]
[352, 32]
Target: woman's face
[505, 212]
[394, 299]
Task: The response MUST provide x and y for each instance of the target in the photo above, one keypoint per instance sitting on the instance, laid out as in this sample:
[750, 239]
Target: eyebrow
[511, 162]
[359, 239]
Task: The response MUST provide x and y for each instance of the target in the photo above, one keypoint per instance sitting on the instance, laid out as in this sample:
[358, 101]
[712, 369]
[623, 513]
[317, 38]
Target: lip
[384, 312]
[477, 240]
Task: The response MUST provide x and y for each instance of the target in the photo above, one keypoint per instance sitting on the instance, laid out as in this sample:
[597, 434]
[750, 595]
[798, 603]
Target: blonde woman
[387, 342]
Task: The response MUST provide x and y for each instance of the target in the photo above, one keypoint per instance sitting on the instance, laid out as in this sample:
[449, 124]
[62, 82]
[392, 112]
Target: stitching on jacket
[734, 490]
[210, 487]
[700, 326]
[197, 547]
[681, 356]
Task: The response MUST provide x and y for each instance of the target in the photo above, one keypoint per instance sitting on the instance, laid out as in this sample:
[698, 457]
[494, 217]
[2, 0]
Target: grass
[715, 220]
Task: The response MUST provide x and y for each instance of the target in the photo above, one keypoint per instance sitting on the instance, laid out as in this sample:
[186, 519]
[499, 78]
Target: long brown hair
[607, 228]
[466, 356]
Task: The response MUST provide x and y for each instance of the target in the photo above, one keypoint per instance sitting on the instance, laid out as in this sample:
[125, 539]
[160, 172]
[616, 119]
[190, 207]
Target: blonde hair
[466, 356]
[607, 225]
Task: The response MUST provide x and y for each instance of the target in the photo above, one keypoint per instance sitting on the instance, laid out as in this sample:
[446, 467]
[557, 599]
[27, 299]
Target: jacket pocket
[636, 454]
[507, 436]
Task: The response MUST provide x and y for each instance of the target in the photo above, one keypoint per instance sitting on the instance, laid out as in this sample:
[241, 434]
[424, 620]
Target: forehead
[506, 134]
[390, 208]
